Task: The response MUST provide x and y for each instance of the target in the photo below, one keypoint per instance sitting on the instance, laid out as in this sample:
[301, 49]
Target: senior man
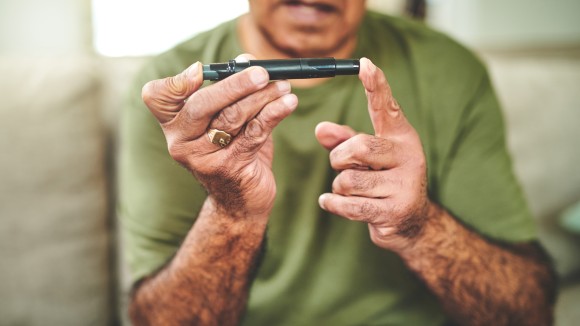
[414, 218]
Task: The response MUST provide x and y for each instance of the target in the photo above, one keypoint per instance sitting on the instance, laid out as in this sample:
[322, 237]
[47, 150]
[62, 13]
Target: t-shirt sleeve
[158, 199]
[477, 182]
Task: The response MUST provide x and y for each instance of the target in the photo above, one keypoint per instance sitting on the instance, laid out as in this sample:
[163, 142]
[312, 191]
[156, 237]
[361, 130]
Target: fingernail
[241, 58]
[283, 86]
[290, 100]
[258, 76]
[322, 200]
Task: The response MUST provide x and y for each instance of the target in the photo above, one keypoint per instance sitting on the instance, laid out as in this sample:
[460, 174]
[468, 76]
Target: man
[440, 232]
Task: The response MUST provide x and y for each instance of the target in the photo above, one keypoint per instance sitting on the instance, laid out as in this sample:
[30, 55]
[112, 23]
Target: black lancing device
[299, 68]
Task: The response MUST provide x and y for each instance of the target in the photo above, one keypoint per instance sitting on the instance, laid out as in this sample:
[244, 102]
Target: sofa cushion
[539, 94]
[54, 235]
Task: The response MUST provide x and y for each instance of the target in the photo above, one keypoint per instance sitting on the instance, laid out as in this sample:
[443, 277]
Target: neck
[254, 42]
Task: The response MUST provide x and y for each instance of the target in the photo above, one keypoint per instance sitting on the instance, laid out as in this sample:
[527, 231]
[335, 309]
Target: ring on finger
[219, 137]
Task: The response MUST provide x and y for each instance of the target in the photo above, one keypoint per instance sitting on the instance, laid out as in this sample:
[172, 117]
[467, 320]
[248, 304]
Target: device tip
[347, 66]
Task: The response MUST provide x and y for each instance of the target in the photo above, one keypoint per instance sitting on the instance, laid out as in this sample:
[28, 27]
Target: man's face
[307, 27]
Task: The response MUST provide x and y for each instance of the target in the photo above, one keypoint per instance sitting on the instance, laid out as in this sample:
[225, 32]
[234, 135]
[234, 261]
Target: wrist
[236, 215]
[436, 232]
[413, 231]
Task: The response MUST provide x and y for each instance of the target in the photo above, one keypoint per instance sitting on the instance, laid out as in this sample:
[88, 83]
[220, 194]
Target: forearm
[208, 280]
[479, 282]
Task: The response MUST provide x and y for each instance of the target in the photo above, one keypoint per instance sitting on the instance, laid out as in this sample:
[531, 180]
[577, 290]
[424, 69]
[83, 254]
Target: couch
[60, 258]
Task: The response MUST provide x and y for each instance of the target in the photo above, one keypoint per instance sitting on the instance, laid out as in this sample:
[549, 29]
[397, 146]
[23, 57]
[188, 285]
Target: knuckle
[393, 104]
[231, 115]
[364, 210]
[362, 180]
[352, 178]
[337, 186]
[375, 179]
[334, 154]
[360, 138]
[253, 137]
[176, 151]
[343, 156]
[351, 181]
[254, 129]
[380, 146]
[369, 209]
[364, 146]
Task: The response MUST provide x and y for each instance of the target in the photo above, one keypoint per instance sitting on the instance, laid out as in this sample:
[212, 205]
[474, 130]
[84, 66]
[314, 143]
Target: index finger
[385, 112]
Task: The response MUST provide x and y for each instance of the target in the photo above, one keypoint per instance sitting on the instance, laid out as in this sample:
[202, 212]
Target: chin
[307, 45]
[305, 52]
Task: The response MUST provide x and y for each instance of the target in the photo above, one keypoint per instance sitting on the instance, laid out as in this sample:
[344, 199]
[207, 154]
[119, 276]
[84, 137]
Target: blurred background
[64, 69]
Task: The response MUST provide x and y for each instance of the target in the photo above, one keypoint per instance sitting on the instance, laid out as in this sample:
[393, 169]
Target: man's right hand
[238, 177]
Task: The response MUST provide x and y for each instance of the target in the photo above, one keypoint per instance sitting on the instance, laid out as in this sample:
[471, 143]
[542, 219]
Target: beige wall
[61, 26]
[501, 24]
[45, 27]
[387, 6]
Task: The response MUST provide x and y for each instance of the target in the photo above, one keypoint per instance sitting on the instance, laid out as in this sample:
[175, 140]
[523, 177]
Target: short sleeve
[158, 199]
[477, 183]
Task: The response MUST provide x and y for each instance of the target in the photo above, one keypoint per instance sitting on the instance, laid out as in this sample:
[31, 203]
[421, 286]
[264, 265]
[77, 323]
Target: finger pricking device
[299, 68]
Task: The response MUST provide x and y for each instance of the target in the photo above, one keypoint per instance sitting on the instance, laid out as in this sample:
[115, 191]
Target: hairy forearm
[480, 282]
[208, 280]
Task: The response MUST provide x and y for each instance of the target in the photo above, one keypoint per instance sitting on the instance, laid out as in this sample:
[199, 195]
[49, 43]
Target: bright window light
[148, 27]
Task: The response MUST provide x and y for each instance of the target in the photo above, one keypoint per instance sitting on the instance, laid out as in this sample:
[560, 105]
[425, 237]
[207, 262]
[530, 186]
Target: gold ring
[219, 137]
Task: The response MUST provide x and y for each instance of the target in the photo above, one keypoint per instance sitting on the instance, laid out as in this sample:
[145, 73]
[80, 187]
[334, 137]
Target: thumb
[165, 97]
[330, 135]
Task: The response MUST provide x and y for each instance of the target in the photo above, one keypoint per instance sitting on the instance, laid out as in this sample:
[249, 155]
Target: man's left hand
[382, 179]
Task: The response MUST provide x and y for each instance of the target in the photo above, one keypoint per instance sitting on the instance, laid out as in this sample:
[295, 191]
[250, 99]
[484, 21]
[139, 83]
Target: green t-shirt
[321, 269]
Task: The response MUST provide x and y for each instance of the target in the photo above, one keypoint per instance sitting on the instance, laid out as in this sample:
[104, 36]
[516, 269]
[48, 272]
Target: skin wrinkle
[208, 280]
[177, 86]
[379, 151]
[460, 267]
[254, 129]
[473, 291]
[380, 146]
[361, 180]
[369, 209]
[232, 118]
